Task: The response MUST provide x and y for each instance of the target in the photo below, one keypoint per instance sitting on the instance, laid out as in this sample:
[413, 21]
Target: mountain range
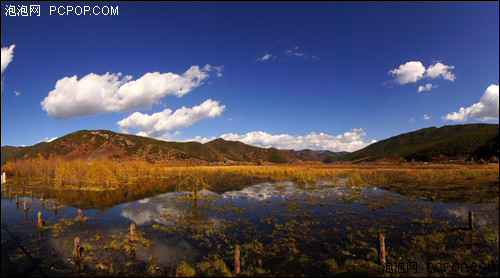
[457, 142]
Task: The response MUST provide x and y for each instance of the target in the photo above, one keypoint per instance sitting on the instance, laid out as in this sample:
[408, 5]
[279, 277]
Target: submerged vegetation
[288, 220]
[325, 228]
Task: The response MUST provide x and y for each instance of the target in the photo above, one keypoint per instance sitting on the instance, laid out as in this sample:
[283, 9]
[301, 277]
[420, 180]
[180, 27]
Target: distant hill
[104, 144]
[238, 151]
[7, 153]
[456, 142]
[488, 151]
[310, 155]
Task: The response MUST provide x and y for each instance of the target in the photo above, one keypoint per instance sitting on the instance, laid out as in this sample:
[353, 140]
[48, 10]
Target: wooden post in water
[25, 207]
[381, 249]
[132, 232]
[40, 220]
[4, 177]
[77, 256]
[80, 215]
[17, 199]
[471, 220]
[10, 193]
[31, 194]
[237, 268]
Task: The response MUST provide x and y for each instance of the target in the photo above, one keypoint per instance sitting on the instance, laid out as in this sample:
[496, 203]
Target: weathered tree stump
[132, 232]
[77, 253]
[237, 268]
[471, 220]
[40, 220]
[80, 215]
[381, 249]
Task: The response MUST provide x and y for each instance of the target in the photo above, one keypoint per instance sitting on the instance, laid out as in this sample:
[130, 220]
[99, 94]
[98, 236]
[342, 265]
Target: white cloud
[486, 109]
[159, 124]
[349, 141]
[427, 117]
[266, 57]
[47, 139]
[17, 93]
[7, 56]
[296, 52]
[410, 72]
[413, 71]
[441, 70]
[97, 94]
[426, 87]
[218, 71]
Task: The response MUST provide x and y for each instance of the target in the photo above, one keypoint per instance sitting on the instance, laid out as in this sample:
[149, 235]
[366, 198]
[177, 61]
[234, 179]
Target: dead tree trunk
[237, 269]
[132, 232]
[381, 249]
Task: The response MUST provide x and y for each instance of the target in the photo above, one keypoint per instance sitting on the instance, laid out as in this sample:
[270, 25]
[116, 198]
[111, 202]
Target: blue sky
[349, 72]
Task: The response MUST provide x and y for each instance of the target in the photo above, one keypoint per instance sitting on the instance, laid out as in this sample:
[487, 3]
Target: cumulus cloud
[427, 117]
[266, 57]
[441, 70]
[426, 87]
[7, 56]
[413, 71]
[97, 94]
[409, 72]
[486, 109]
[348, 141]
[159, 124]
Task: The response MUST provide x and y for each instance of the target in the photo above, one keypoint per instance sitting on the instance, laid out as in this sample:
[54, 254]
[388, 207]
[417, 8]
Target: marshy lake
[281, 228]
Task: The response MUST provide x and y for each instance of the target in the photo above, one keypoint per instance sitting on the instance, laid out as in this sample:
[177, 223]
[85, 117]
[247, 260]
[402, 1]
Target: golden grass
[434, 181]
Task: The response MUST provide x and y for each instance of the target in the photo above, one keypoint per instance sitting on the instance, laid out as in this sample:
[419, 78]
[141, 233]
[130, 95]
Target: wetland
[284, 220]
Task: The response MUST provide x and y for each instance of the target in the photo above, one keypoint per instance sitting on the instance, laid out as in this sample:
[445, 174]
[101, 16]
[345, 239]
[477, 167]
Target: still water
[319, 219]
